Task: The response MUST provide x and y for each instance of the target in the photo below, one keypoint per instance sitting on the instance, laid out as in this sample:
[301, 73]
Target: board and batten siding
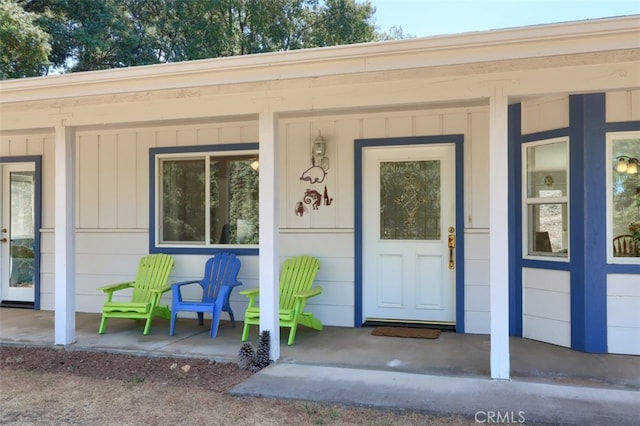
[328, 231]
[546, 306]
[112, 208]
[112, 203]
[623, 314]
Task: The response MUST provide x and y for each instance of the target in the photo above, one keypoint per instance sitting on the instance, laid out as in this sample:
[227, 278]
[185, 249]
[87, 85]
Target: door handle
[4, 240]
[451, 243]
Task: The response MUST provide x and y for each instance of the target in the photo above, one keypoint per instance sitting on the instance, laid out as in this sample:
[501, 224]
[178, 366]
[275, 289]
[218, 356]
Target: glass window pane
[234, 200]
[547, 170]
[410, 200]
[548, 229]
[625, 212]
[22, 229]
[182, 201]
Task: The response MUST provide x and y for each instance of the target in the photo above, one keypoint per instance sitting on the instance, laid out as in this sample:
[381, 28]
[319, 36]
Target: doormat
[417, 333]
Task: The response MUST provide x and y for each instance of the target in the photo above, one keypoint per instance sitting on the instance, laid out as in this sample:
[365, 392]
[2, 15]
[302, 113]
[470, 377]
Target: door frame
[37, 217]
[359, 145]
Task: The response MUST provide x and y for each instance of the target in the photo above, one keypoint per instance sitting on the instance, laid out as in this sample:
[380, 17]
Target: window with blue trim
[546, 199]
[623, 194]
[206, 199]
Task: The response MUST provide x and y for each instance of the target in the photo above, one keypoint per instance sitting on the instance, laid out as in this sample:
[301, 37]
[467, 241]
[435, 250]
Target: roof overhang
[534, 45]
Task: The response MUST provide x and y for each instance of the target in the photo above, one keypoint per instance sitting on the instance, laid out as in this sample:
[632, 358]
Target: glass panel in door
[18, 232]
[410, 200]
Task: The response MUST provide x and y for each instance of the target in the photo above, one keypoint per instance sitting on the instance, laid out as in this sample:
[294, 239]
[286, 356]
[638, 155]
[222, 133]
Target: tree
[343, 22]
[94, 34]
[395, 33]
[100, 34]
[24, 47]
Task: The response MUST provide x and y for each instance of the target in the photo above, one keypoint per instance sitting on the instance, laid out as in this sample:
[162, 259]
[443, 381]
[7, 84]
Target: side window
[623, 195]
[206, 199]
[545, 198]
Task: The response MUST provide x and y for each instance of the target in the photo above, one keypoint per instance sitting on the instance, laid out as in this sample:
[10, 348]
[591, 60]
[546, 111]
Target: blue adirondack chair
[220, 276]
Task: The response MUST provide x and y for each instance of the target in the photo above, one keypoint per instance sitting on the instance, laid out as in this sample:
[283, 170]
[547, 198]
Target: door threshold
[443, 326]
[16, 304]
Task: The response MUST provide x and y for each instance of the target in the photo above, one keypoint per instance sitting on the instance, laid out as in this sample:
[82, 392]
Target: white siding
[297, 135]
[623, 314]
[334, 223]
[416, 87]
[546, 306]
[113, 169]
[116, 215]
[623, 106]
[476, 287]
[545, 114]
[335, 249]
[113, 203]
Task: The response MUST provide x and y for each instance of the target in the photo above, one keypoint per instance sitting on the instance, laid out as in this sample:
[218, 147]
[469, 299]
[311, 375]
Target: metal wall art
[315, 174]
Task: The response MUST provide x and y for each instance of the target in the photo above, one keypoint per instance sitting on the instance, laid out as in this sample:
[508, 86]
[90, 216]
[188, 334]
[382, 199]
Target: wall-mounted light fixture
[255, 164]
[627, 164]
[318, 152]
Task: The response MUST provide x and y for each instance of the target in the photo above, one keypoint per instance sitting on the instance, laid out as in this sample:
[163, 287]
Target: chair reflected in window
[624, 246]
[543, 242]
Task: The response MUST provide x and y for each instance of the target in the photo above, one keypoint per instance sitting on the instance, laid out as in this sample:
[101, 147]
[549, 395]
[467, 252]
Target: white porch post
[64, 244]
[499, 235]
[269, 230]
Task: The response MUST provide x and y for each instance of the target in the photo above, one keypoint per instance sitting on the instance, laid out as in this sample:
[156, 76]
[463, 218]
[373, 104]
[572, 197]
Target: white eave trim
[538, 41]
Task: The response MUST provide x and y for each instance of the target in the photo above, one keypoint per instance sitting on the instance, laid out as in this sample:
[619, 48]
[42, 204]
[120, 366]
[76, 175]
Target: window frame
[179, 152]
[610, 137]
[532, 201]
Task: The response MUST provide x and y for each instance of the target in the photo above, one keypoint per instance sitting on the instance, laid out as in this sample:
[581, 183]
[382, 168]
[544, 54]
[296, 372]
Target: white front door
[17, 234]
[408, 219]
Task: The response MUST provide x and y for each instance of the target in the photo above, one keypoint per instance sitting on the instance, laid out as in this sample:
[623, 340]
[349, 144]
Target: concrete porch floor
[452, 354]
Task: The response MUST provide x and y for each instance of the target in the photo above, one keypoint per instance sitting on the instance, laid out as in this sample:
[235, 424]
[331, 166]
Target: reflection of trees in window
[232, 190]
[234, 200]
[183, 200]
[626, 188]
[410, 200]
[22, 199]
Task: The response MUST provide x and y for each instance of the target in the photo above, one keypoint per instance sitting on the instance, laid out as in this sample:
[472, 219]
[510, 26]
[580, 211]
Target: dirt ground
[43, 386]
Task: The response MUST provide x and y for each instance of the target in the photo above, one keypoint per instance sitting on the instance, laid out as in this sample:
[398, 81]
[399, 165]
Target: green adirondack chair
[148, 287]
[296, 279]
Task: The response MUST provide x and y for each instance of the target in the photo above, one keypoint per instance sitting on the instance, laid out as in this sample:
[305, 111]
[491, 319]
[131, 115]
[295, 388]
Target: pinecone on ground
[246, 357]
[264, 348]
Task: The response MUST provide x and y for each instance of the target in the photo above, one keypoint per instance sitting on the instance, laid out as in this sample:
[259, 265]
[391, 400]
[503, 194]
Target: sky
[421, 18]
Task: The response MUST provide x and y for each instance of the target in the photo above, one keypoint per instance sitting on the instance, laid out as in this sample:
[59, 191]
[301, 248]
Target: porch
[452, 354]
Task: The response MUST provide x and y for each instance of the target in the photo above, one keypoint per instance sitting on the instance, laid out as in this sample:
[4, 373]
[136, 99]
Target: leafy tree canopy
[100, 34]
[24, 46]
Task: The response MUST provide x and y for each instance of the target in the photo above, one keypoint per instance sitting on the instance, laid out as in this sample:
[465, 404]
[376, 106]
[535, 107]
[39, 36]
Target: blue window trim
[547, 134]
[516, 257]
[37, 207]
[588, 266]
[153, 152]
[588, 206]
[515, 218]
[359, 145]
